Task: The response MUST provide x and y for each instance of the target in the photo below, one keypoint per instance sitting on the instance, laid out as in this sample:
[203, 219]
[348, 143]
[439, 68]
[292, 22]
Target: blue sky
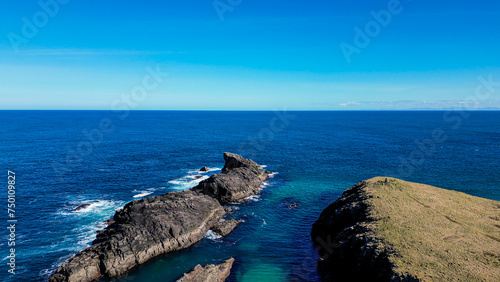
[257, 55]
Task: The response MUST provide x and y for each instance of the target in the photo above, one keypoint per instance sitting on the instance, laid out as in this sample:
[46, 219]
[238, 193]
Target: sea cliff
[386, 229]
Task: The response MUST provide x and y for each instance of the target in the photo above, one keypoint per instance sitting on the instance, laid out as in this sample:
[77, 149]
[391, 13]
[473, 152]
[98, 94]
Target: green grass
[436, 234]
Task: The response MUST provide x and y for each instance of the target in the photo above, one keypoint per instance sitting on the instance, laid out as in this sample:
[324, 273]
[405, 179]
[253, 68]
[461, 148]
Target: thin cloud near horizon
[412, 104]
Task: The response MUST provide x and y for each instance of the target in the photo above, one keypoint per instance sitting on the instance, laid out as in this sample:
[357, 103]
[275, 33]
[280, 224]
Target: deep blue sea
[65, 158]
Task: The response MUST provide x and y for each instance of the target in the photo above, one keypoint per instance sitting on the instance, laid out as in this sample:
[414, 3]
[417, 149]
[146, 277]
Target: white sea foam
[94, 206]
[272, 174]
[189, 181]
[254, 198]
[210, 169]
[263, 185]
[92, 218]
[212, 236]
[146, 192]
[88, 220]
[141, 195]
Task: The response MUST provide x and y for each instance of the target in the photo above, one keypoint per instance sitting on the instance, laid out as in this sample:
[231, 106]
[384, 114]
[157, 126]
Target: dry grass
[436, 234]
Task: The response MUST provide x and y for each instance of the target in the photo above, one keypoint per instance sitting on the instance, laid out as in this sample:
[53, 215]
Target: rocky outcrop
[223, 228]
[204, 169]
[240, 178]
[142, 230]
[209, 273]
[150, 227]
[386, 229]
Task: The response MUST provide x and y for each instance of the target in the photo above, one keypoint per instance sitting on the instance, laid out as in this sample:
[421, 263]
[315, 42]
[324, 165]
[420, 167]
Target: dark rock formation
[80, 207]
[209, 273]
[223, 228]
[385, 229]
[204, 169]
[150, 227]
[142, 230]
[240, 178]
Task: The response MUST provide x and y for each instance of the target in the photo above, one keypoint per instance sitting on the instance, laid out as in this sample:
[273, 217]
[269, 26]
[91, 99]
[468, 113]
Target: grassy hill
[389, 229]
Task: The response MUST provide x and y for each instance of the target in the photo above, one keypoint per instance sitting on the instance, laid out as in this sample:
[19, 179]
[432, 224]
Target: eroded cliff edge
[385, 229]
[153, 226]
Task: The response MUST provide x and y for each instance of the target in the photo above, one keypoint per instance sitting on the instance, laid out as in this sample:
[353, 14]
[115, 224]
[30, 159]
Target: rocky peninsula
[153, 226]
[385, 229]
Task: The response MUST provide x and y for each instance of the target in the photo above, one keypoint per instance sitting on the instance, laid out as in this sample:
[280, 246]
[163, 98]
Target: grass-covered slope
[388, 229]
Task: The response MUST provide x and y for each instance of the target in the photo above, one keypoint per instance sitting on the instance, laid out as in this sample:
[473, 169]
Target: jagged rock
[240, 178]
[142, 230]
[150, 227]
[393, 230]
[225, 227]
[209, 273]
[204, 169]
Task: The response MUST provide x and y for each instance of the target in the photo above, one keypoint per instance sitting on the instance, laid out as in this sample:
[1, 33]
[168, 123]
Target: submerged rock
[223, 228]
[209, 273]
[240, 178]
[80, 207]
[385, 229]
[142, 230]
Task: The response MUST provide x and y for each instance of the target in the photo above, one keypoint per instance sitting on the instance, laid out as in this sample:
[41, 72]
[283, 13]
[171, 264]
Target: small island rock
[223, 228]
[209, 273]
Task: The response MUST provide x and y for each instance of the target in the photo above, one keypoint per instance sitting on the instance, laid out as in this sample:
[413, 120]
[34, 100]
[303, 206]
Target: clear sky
[248, 54]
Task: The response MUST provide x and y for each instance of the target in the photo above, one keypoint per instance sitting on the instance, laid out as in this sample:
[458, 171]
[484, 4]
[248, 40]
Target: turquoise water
[317, 155]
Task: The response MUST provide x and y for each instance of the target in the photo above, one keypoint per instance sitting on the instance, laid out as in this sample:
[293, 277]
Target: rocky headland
[153, 226]
[385, 229]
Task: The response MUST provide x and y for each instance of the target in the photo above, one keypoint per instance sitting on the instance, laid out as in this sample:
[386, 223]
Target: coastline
[147, 228]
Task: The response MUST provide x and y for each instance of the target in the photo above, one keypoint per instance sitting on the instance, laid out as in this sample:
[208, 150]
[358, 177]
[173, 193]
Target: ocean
[62, 159]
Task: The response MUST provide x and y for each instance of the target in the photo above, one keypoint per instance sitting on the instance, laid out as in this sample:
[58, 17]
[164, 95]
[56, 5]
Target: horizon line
[337, 110]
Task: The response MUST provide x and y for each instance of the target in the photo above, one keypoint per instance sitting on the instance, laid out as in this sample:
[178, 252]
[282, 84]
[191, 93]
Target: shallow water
[317, 155]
